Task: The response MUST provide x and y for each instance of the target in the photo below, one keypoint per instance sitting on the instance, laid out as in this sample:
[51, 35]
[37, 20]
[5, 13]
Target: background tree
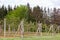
[14, 17]
[29, 15]
[37, 14]
[9, 8]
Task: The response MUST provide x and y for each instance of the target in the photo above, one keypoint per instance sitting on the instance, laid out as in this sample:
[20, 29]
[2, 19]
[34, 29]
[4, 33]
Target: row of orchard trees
[37, 14]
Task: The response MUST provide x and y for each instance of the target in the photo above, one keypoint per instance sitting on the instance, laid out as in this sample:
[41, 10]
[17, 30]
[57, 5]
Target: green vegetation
[31, 17]
[15, 16]
[55, 37]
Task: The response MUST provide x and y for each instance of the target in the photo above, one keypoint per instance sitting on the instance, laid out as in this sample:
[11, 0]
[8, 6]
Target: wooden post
[17, 30]
[51, 28]
[39, 29]
[4, 27]
[9, 29]
[58, 28]
[22, 28]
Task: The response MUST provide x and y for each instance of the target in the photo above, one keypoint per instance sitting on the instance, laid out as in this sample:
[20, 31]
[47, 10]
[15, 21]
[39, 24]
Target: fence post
[22, 28]
[9, 29]
[39, 29]
[4, 27]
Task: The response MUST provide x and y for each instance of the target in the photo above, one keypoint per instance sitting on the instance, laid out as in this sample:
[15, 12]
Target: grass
[54, 37]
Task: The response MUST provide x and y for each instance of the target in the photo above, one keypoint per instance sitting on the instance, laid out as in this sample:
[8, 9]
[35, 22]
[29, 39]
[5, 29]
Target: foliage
[15, 16]
[33, 15]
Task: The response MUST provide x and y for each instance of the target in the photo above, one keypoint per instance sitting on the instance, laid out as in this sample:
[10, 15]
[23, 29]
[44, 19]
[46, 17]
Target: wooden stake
[4, 27]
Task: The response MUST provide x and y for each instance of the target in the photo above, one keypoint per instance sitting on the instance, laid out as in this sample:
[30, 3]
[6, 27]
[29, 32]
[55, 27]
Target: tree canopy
[18, 14]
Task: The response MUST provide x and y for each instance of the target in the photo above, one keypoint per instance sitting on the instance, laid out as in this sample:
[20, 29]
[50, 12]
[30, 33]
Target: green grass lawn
[55, 37]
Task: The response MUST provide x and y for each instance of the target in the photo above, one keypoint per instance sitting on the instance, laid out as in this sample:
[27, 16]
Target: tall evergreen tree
[9, 8]
[29, 15]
